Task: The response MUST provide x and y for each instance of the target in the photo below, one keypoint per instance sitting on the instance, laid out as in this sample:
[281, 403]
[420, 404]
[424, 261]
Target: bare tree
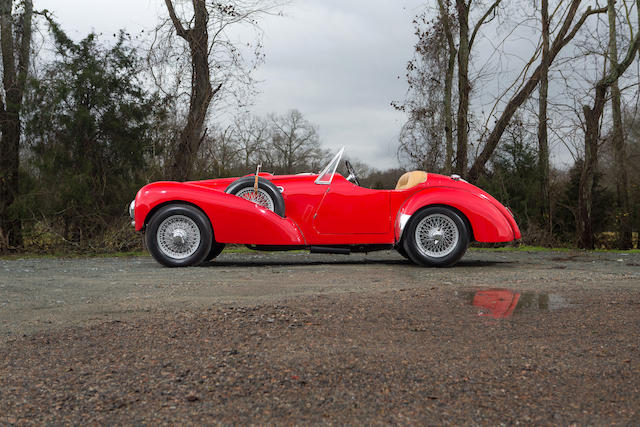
[294, 140]
[251, 134]
[619, 144]
[448, 84]
[218, 155]
[15, 43]
[216, 64]
[427, 105]
[543, 143]
[592, 116]
[565, 34]
[464, 87]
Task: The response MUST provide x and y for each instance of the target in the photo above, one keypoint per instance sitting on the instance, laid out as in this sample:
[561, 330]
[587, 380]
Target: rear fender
[234, 220]
[488, 222]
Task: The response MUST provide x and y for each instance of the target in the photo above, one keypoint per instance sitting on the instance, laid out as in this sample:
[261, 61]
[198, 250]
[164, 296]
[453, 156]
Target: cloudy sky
[336, 61]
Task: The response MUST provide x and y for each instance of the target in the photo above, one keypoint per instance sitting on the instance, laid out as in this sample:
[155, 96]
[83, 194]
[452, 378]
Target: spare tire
[267, 196]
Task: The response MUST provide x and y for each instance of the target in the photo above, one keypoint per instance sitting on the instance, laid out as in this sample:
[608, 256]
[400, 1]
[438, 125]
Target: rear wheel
[401, 251]
[179, 235]
[216, 249]
[436, 236]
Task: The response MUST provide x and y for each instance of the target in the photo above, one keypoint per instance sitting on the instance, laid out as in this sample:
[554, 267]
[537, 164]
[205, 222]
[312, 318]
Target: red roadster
[428, 218]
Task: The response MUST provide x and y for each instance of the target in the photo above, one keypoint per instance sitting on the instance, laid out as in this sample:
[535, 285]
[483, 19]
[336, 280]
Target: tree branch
[25, 45]
[180, 30]
[481, 21]
[575, 29]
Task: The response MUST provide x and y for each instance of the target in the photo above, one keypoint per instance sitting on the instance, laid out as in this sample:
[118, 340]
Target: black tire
[266, 188]
[445, 246]
[216, 249]
[401, 251]
[179, 235]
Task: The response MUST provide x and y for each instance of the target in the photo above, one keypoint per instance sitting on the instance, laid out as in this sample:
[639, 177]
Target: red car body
[429, 218]
[340, 213]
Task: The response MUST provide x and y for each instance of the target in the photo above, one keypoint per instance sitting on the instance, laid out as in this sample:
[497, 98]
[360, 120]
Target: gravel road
[297, 338]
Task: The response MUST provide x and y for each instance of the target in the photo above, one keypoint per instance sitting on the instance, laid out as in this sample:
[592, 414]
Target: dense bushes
[87, 133]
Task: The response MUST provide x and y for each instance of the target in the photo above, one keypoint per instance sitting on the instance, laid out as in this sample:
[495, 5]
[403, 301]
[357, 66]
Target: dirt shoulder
[41, 294]
[295, 338]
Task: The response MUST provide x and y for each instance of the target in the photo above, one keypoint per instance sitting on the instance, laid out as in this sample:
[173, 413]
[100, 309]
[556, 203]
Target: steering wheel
[352, 173]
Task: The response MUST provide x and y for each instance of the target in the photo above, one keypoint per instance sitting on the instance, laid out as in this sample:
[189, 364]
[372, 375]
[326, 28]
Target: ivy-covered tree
[89, 129]
[15, 49]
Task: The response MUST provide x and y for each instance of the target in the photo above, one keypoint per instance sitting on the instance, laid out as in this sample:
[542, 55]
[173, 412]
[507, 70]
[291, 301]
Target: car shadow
[308, 262]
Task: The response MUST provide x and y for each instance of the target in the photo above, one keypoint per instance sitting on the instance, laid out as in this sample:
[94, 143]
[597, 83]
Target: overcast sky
[338, 62]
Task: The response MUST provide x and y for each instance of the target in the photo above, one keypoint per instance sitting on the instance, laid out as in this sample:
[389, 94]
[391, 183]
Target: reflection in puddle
[502, 303]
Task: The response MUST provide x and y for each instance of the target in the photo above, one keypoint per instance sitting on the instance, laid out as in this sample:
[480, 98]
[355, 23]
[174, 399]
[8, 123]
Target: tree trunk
[463, 89]
[448, 88]
[622, 191]
[584, 223]
[543, 145]
[14, 76]
[592, 116]
[201, 90]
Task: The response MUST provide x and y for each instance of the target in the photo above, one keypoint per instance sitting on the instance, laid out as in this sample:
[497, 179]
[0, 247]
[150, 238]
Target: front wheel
[436, 236]
[179, 235]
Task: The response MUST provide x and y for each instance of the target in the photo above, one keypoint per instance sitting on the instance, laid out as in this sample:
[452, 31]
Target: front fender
[234, 220]
[489, 220]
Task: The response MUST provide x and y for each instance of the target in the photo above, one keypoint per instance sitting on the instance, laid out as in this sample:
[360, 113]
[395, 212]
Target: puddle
[504, 303]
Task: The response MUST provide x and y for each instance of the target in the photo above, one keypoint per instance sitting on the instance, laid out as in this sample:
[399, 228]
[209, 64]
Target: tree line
[576, 93]
[86, 123]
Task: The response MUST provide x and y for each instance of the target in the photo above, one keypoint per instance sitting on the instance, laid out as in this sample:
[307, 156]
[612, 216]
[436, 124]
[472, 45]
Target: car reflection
[503, 303]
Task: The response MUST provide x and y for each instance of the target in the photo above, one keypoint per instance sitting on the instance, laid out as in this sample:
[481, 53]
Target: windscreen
[327, 173]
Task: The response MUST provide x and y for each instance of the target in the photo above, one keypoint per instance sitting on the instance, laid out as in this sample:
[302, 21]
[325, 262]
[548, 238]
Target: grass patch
[523, 248]
[527, 248]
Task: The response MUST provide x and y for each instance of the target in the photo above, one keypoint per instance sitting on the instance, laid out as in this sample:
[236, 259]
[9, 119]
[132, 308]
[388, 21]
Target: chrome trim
[404, 218]
[457, 177]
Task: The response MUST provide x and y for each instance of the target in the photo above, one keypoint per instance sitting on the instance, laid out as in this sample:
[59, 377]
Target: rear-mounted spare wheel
[267, 194]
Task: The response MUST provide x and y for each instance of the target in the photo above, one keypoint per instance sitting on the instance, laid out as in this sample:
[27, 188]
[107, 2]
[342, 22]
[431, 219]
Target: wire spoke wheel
[266, 195]
[437, 235]
[259, 197]
[178, 237]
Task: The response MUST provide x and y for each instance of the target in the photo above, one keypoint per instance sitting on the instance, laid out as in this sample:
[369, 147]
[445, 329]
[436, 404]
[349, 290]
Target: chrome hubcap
[259, 197]
[437, 235]
[178, 237]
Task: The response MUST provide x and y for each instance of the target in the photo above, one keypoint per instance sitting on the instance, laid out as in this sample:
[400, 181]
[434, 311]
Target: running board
[329, 250]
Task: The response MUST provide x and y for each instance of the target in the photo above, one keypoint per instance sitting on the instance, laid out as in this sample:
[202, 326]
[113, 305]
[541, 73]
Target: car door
[349, 209]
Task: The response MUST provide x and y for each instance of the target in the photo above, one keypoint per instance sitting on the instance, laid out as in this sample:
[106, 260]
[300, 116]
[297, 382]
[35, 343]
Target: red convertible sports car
[428, 218]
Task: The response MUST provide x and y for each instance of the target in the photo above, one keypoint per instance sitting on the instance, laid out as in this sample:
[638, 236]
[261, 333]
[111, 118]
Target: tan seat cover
[411, 179]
